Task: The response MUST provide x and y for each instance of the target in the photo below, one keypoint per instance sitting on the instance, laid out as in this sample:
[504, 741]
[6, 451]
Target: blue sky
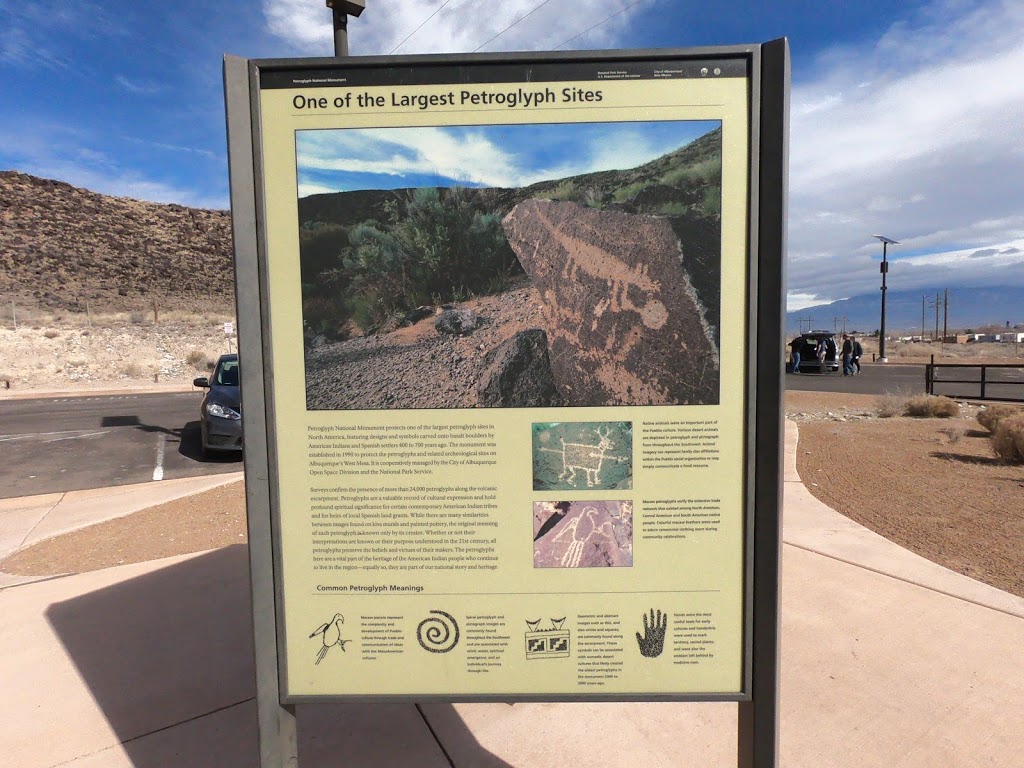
[906, 116]
[482, 156]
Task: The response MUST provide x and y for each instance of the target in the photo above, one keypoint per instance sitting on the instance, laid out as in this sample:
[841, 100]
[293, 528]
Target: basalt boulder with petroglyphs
[517, 374]
[623, 321]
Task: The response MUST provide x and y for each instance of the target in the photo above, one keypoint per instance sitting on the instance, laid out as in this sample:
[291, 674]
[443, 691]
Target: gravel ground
[930, 485]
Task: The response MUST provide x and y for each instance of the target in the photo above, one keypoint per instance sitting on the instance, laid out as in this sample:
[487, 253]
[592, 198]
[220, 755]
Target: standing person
[795, 346]
[847, 356]
[858, 350]
[820, 353]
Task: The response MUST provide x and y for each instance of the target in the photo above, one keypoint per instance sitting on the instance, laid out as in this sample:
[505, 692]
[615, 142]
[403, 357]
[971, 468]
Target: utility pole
[342, 9]
[924, 299]
[945, 317]
[884, 268]
[938, 302]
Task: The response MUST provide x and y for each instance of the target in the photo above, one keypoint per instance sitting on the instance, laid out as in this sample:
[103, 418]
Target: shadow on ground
[167, 656]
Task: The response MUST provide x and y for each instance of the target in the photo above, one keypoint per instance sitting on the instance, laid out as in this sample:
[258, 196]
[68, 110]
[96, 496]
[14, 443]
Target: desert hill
[61, 246]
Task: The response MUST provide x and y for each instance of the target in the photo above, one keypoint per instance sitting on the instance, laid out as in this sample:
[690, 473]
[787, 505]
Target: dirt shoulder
[930, 485]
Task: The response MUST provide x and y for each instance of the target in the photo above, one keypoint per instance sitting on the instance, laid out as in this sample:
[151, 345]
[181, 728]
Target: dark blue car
[220, 415]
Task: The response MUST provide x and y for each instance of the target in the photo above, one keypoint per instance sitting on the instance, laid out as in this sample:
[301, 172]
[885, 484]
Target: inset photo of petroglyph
[511, 265]
[589, 455]
[582, 534]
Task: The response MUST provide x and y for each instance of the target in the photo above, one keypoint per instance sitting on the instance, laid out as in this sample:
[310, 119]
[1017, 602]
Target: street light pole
[342, 9]
[886, 241]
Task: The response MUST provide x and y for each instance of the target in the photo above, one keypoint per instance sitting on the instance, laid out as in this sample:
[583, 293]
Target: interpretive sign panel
[506, 341]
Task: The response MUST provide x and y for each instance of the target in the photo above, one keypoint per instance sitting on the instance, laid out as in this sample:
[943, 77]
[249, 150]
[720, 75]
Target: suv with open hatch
[808, 344]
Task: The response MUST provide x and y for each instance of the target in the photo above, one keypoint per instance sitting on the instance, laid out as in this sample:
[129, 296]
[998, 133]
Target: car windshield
[227, 374]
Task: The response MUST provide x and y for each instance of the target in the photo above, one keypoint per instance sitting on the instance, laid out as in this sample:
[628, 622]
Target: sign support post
[758, 726]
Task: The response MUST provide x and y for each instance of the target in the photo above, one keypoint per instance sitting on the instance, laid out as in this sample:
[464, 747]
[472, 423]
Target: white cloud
[459, 26]
[917, 137]
[470, 157]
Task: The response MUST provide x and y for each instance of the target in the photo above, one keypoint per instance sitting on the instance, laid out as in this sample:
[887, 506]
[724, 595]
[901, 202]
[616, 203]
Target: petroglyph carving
[585, 457]
[623, 321]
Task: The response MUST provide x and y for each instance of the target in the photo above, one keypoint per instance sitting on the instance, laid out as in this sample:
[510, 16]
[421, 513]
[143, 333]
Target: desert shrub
[132, 370]
[197, 358]
[136, 317]
[325, 315]
[1008, 439]
[50, 333]
[564, 190]
[892, 404]
[931, 407]
[628, 192]
[709, 169]
[954, 434]
[711, 200]
[993, 414]
[434, 245]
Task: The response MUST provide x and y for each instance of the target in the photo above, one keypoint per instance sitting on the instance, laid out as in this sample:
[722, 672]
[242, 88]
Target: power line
[591, 29]
[422, 24]
[506, 29]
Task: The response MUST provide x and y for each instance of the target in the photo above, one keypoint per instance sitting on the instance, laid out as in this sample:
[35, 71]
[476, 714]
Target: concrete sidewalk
[887, 660]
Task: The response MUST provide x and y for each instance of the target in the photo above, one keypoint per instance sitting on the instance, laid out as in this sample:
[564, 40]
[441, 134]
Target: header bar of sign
[610, 69]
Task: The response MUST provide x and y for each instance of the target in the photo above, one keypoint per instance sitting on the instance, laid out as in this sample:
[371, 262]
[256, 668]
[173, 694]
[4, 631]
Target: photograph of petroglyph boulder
[588, 456]
[511, 266]
[582, 534]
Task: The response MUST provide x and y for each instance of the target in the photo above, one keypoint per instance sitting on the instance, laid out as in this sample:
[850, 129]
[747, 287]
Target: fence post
[929, 377]
[983, 369]
[14, 315]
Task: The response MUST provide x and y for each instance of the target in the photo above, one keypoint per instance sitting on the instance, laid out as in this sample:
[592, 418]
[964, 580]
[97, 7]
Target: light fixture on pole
[341, 10]
[886, 242]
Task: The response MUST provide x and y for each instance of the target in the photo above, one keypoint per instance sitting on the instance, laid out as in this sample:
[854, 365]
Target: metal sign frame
[769, 97]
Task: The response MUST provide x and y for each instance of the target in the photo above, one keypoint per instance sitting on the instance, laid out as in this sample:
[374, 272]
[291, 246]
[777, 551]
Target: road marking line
[74, 433]
[77, 437]
[158, 470]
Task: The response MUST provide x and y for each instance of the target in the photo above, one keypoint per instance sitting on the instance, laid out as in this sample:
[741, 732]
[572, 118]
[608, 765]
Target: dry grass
[993, 414]
[198, 359]
[50, 333]
[39, 319]
[954, 434]
[893, 403]
[931, 407]
[1008, 439]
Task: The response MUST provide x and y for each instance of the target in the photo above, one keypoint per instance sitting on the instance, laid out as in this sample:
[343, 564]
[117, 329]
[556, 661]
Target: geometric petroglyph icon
[438, 633]
[547, 643]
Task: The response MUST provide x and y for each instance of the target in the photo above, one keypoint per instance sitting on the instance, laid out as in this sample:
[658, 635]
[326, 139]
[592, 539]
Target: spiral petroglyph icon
[438, 634]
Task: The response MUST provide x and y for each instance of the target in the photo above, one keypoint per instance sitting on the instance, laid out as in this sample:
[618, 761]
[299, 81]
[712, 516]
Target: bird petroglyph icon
[585, 457]
[582, 529]
[330, 634]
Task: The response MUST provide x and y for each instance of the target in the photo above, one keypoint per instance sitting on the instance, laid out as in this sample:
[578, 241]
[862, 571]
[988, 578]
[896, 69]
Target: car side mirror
[202, 381]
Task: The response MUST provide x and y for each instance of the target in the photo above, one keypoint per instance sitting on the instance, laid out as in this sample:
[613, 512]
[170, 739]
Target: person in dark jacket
[847, 356]
[858, 350]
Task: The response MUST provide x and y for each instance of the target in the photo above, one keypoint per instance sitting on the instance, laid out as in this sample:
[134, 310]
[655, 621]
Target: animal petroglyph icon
[330, 634]
[587, 458]
[582, 529]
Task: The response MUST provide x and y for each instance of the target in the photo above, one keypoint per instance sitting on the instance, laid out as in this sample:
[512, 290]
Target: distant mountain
[968, 308]
[61, 246]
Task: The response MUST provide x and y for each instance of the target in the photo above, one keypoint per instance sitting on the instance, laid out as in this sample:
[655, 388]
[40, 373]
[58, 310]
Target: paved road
[67, 444]
[876, 379]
